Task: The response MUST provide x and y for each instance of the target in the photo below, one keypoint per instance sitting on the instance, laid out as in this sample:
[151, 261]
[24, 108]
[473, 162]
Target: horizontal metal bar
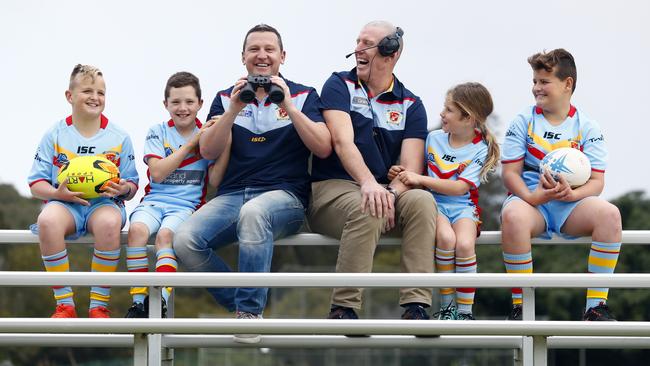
[67, 340]
[324, 280]
[326, 327]
[337, 341]
[317, 341]
[487, 237]
[599, 342]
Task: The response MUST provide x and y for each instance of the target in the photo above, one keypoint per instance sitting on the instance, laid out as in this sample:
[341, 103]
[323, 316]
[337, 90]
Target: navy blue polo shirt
[266, 151]
[380, 124]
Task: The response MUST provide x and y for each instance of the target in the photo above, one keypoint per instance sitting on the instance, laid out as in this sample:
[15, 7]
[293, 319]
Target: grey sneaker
[446, 313]
[247, 338]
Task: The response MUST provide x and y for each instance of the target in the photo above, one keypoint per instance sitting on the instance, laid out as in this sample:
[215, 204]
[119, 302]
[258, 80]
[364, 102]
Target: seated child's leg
[602, 220]
[465, 229]
[55, 222]
[444, 256]
[165, 257]
[105, 224]
[519, 223]
[136, 256]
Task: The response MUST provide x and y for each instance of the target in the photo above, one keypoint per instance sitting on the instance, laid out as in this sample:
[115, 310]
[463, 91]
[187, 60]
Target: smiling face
[370, 61]
[454, 121]
[87, 96]
[549, 91]
[183, 104]
[262, 54]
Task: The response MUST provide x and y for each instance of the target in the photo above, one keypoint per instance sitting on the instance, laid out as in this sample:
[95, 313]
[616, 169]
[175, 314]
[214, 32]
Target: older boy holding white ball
[539, 205]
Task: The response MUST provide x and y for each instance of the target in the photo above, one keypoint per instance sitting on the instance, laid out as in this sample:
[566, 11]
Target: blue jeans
[253, 217]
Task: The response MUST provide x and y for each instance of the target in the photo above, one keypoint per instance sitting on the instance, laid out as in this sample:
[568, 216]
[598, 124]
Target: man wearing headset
[374, 121]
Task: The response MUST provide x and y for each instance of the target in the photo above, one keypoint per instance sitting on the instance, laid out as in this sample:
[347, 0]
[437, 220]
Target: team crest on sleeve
[281, 114]
[394, 117]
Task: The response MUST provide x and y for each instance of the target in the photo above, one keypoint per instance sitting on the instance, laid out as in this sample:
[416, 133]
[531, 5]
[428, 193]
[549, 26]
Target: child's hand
[194, 141]
[64, 194]
[409, 178]
[123, 188]
[394, 171]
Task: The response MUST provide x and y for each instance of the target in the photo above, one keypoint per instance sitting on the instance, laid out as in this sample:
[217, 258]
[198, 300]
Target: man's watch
[393, 192]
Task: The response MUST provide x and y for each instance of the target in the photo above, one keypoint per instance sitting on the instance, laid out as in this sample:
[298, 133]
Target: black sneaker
[163, 305]
[342, 312]
[446, 313]
[414, 311]
[137, 310]
[516, 313]
[599, 313]
[464, 316]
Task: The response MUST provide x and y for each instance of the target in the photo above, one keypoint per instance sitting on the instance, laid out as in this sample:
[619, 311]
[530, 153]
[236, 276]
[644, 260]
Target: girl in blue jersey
[458, 158]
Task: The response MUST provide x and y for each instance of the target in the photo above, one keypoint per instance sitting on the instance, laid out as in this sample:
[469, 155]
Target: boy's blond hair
[84, 71]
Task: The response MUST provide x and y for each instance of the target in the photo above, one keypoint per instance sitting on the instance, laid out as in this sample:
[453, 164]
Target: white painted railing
[152, 339]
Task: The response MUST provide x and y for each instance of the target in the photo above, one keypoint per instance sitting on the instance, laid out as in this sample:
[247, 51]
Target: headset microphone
[363, 49]
[388, 45]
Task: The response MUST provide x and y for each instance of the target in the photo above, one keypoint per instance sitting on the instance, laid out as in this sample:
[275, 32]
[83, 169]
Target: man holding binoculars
[272, 125]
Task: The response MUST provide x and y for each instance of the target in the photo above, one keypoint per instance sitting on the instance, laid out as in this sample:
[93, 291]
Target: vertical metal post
[168, 353]
[139, 349]
[540, 350]
[527, 346]
[155, 340]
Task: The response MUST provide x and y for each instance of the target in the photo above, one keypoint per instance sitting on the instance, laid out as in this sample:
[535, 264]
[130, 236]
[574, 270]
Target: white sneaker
[247, 338]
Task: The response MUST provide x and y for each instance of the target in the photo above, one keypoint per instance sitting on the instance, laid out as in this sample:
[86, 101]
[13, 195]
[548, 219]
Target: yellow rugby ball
[89, 175]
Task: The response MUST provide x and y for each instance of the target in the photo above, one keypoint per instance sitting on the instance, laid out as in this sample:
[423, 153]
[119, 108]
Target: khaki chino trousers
[336, 211]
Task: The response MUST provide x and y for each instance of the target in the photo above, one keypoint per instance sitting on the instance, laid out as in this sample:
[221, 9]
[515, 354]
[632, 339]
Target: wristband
[393, 192]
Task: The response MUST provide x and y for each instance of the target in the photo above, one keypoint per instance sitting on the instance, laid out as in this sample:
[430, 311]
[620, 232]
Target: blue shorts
[81, 214]
[555, 214]
[455, 212]
[158, 215]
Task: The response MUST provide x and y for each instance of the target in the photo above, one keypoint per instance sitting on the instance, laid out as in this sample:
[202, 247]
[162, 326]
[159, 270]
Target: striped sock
[103, 261]
[602, 259]
[137, 261]
[59, 263]
[166, 262]
[518, 263]
[465, 296]
[445, 264]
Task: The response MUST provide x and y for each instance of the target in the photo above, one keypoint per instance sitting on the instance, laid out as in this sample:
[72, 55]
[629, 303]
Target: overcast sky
[139, 44]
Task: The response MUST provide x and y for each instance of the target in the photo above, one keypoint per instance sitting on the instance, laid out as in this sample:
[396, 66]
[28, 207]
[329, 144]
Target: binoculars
[247, 93]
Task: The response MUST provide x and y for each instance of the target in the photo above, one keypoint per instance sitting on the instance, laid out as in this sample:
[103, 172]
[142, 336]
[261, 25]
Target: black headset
[390, 44]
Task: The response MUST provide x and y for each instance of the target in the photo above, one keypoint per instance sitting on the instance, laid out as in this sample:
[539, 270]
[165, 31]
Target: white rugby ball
[570, 163]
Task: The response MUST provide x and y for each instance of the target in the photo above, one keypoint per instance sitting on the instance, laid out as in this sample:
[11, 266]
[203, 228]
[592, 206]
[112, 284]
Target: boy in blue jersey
[66, 215]
[178, 184]
[540, 206]
[265, 189]
[374, 121]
